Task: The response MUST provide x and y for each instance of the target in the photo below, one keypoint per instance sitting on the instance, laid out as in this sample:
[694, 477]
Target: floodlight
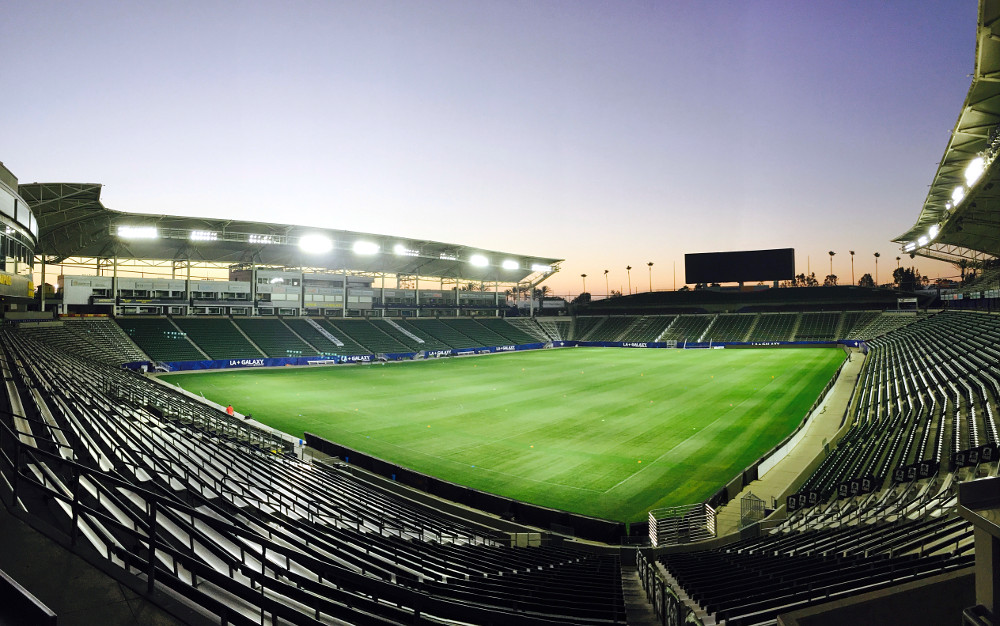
[401, 250]
[538, 267]
[957, 195]
[204, 235]
[315, 243]
[138, 232]
[261, 239]
[445, 256]
[910, 247]
[479, 260]
[974, 170]
[923, 240]
[365, 247]
[933, 231]
[510, 264]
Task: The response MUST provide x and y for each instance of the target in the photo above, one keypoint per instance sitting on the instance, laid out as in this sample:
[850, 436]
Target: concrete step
[638, 610]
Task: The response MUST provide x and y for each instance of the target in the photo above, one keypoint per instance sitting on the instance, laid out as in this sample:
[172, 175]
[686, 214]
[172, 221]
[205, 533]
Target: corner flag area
[610, 433]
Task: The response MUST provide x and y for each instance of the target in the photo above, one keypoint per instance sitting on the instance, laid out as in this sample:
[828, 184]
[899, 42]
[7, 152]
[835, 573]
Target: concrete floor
[79, 593]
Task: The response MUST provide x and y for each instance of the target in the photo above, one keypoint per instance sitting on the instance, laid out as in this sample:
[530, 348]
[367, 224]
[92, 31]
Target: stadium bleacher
[333, 546]
[160, 338]
[275, 338]
[218, 337]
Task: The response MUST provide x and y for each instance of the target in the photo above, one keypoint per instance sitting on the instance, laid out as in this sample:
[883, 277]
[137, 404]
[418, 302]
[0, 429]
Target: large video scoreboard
[742, 266]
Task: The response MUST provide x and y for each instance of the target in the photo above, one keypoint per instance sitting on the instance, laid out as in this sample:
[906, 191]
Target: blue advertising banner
[178, 366]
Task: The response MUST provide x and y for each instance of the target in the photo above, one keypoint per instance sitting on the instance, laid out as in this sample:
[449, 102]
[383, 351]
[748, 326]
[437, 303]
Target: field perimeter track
[600, 431]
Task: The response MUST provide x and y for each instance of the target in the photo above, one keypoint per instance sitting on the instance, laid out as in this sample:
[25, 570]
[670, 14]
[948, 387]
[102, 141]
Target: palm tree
[628, 270]
[650, 264]
[877, 255]
[831, 253]
[607, 289]
[897, 262]
[852, 266]
[584, 277]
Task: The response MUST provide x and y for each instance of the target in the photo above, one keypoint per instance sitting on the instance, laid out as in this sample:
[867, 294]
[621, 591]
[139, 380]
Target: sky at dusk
[604, 133]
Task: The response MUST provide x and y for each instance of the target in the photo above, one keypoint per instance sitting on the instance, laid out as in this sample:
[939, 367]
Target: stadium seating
[338, 328]
[731, 327]
[248, 533]
[531, 327]
[687, 328]
[444, 333]
[479, 334]
[854, 321]
[160, 339]
[648, 328]
[774, 327]
[314, 336]
[218, 337]
[818, 327]
[612, 329]
[582, 327]
[429, 342]
[97, 338]
[373, 338]
[503, 328]
[274, 338]
[750, 582]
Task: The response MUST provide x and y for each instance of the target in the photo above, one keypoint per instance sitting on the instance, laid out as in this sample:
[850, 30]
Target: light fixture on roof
[315, 243]
[933, 231]
[974, 170]
[261, 239]
[538, 267]
[957, 195]
[447, 256]
[910, 247]
[138, 232]
[923, 240]
[365, 247]
[510, 264]
[204, 235]
[479, 260]
[401, 250]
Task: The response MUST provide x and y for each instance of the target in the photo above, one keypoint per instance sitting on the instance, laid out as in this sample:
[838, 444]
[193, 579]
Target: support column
[343, 311]
[253, 289]
[114, 285]
[43, 283]
[416, 294]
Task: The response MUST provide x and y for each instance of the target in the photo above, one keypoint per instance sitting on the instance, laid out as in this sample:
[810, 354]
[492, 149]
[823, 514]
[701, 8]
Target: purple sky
[605, 133]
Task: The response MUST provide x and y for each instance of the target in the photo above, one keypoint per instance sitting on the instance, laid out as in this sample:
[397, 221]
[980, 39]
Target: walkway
[787, 475]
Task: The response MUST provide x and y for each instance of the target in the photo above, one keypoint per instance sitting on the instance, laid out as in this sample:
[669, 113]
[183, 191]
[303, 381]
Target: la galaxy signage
[247, 363]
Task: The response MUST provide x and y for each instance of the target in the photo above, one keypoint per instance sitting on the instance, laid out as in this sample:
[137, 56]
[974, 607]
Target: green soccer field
[600, 431]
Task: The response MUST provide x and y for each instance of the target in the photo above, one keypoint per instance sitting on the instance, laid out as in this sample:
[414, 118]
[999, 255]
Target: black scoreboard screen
[742, 266]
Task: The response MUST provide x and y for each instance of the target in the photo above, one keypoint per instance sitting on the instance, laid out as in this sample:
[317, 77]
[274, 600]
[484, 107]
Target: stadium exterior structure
[124, 260]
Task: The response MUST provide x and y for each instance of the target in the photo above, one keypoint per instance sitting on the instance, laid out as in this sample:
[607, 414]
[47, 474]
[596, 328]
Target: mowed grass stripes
[606, 432]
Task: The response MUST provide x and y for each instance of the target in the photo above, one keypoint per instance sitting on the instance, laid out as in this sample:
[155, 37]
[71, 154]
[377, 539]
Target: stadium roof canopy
[73, 223]
[953, 227]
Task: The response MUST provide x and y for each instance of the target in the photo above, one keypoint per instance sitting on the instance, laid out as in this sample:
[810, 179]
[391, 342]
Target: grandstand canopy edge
[965, 228]
[74, 224]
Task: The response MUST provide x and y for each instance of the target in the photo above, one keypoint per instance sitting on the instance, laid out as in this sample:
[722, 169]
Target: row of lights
[973, 172]
[316, 243]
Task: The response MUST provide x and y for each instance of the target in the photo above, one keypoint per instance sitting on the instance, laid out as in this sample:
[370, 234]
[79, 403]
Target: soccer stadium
[241, 422]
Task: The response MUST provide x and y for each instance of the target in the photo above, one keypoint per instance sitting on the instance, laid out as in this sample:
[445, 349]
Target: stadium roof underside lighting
[73, 223]
[960, 219]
